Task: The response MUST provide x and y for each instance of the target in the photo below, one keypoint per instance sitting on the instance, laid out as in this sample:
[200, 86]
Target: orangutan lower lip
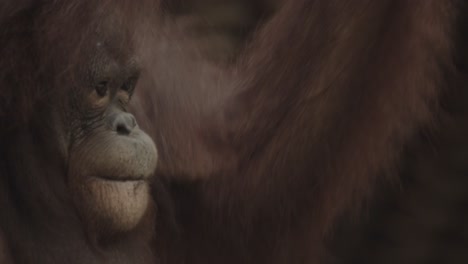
[121, 179]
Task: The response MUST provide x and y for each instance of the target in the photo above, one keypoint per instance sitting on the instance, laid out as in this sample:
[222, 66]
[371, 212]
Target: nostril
[123, 123]
[123, 129]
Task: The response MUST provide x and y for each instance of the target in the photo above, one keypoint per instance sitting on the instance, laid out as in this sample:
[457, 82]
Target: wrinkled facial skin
[110, 159]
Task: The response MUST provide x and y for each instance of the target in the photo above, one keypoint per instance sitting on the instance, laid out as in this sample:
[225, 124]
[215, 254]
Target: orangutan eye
[101, 88]
[130, 84]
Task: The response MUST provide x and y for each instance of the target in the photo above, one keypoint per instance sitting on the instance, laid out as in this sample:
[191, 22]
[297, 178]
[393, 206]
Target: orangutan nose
[123, 123]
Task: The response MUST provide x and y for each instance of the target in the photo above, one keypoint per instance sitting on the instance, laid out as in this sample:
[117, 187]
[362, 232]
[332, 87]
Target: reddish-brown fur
[258, 161]
[321, 104]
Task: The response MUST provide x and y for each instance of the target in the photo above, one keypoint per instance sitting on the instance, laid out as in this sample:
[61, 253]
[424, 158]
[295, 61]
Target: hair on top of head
[42, 42]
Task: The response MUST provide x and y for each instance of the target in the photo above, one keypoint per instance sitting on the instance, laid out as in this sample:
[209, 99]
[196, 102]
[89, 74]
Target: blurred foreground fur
[421, 219]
